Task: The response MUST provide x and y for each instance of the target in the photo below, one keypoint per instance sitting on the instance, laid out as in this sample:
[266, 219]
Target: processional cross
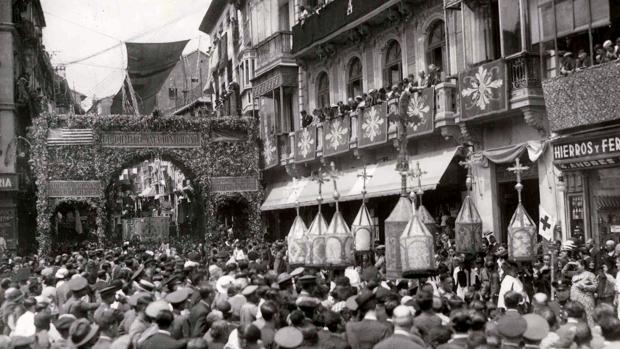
[296, 188]
[334, 174]
[320, 178]
[417, 173]
[518, 169]
[468, 163]
[364, 175]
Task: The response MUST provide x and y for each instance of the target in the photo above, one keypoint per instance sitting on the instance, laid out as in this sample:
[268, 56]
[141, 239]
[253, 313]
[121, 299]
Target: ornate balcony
[585, 97]
[274, 51]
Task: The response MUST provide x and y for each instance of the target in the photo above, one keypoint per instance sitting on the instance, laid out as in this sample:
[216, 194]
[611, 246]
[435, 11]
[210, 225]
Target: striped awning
[69, 136]
[607, 202]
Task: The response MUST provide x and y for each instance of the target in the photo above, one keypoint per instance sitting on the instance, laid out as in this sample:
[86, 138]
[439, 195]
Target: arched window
[392, 70]
[322, 93]
[436, 45]
[355, 85]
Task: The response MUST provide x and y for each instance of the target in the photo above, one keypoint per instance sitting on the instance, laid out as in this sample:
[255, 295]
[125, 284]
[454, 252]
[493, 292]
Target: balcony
[586, 97]
[510, 83]
[336, 18]
[274, 51]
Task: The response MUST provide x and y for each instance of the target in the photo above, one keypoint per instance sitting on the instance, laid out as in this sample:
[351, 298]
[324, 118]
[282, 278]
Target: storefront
[590, 163]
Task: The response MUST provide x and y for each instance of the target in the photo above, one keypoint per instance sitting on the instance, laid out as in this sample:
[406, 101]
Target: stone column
[484, 194]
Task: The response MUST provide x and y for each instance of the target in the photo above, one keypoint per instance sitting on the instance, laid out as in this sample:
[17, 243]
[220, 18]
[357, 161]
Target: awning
[385, 181]
[147, 192]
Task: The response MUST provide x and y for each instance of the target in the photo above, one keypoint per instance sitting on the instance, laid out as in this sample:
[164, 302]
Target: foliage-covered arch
[228, 149]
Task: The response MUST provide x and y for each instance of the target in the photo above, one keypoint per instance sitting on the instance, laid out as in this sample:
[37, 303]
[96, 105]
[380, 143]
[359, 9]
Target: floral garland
[94, 162]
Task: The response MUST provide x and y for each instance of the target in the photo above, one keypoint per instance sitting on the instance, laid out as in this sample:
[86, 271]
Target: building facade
[485, 64]
[30, 87]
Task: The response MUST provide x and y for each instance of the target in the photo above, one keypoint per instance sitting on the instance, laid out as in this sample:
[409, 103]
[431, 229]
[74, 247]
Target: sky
[77, 29]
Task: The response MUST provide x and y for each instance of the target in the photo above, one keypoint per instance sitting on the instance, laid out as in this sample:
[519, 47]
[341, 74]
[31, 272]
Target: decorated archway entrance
[81, 158]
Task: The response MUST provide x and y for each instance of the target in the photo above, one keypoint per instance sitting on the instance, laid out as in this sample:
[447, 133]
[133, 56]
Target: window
[436, 47]
[392, 73]
[481, 36]
[172, 92]
[322, 95]
[355, 85]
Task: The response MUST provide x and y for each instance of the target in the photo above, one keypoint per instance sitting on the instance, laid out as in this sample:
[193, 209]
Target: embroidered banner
[484, 90]
[305, 144]
[336, 134]
[373, 126]
[270, 151]
[421, 107]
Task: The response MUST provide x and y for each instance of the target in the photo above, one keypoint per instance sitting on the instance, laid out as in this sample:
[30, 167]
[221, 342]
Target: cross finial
[364, 175]
[518, 169]
[319, 177]
[468, 163]
[296, 188]
[334, 174]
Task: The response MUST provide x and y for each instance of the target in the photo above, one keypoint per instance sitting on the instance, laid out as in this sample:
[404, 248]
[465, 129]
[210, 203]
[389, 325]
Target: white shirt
[509, 283]
[24, 326]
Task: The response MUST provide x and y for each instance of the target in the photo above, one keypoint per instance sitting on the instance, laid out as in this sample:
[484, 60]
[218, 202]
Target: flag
[546, 224]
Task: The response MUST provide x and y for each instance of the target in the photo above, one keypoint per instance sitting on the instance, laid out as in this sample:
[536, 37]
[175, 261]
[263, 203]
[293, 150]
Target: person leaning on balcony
[568, 64]
[617, 47]
[601, 55]
[610, 50]
[306, 120]
[583, 60]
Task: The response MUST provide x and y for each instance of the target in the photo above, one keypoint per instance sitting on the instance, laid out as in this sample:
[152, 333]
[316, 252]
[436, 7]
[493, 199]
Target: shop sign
[74, 189]
[8, 225]
[575, 165]
[9, 182]
[233, 184]
[598, 146]
[614, 229]
[119, 139]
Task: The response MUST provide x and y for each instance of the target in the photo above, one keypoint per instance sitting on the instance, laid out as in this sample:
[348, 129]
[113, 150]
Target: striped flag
[69, 136]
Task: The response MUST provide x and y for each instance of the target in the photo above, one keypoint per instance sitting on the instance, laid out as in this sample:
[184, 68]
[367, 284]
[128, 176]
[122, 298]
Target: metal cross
[518, 169]
[364, 175]
[468, 163]
[296, 188]
[417, 173]
[334, 174]
[319, 177]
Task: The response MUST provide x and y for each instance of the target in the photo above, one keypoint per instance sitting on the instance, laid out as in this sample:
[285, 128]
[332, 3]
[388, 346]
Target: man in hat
[568, 63]
[75, 305]
[248, 311]
[139, 301]
[107, 320]
[267, 323]
[83, 334]
[288, 337]
[198, 313]
[24, 326]
[537, 329]
[427, 319]
[369, 331]
[402, 337]
[107, 298]
[62, 326]
[181, 327]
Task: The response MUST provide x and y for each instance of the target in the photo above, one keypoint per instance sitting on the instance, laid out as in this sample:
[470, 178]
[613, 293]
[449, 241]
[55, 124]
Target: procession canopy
[297, 242]
[363, 230]
[468, 226]
[148, 67]
[394, 226]
[521, 236]
[339, 243]
[417, 250]
[427, 219]
[315, 255]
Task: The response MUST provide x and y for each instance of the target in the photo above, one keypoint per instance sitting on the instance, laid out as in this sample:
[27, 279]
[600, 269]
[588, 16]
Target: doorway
[508, 200]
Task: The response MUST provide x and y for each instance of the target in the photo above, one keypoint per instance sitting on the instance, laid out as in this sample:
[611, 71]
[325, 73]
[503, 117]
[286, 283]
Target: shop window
[436, 45]
[392, 72]
[322, 95]
[355, 86]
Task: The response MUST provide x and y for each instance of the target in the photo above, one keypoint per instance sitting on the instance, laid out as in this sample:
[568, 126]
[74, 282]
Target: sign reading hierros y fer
[57, 189]
[596, 151]
[120, 139]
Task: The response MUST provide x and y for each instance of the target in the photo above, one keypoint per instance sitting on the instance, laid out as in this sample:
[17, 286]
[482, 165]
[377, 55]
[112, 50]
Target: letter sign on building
[9, 182]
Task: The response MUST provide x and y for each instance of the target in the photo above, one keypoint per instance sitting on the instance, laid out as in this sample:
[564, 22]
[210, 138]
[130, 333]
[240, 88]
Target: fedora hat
[81, 332]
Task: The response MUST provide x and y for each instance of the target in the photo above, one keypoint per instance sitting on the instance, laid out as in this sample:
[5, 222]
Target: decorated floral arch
[82, 149]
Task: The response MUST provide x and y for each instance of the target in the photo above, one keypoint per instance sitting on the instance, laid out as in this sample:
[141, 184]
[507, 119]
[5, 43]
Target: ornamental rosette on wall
[95, 162]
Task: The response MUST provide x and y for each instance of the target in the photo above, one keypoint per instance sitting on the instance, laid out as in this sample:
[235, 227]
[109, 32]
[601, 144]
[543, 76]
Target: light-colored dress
[582, 290]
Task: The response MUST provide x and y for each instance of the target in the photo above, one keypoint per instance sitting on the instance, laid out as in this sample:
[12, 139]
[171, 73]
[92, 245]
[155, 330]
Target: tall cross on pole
[518, 169]
[364, 175]
[319, 177]
[296, 188]
[334, 174]
[416, 173]
[468, 163]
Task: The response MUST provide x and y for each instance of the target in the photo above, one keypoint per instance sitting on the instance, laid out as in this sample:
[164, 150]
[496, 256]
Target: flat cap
[248, 290]
[512, 325]
[537, 327]
[176, 297]
[288, 337]
[155, 307]
[64, 321]
[297, 271]
[77, 284]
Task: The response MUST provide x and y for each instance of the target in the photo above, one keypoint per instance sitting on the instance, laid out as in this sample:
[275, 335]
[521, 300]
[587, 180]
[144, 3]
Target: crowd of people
[602, 53]
[242, 294]
[373, 97]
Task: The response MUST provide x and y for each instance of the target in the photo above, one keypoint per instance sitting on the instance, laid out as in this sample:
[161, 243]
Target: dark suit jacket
[329, 340]
[398, 341]
[162, 341]
[198, 319]
[425, 321]
[181, 327]
[366, 333]
[458, 343]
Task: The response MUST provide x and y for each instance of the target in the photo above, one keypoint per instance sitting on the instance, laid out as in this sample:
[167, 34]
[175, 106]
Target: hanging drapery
[509, 153]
